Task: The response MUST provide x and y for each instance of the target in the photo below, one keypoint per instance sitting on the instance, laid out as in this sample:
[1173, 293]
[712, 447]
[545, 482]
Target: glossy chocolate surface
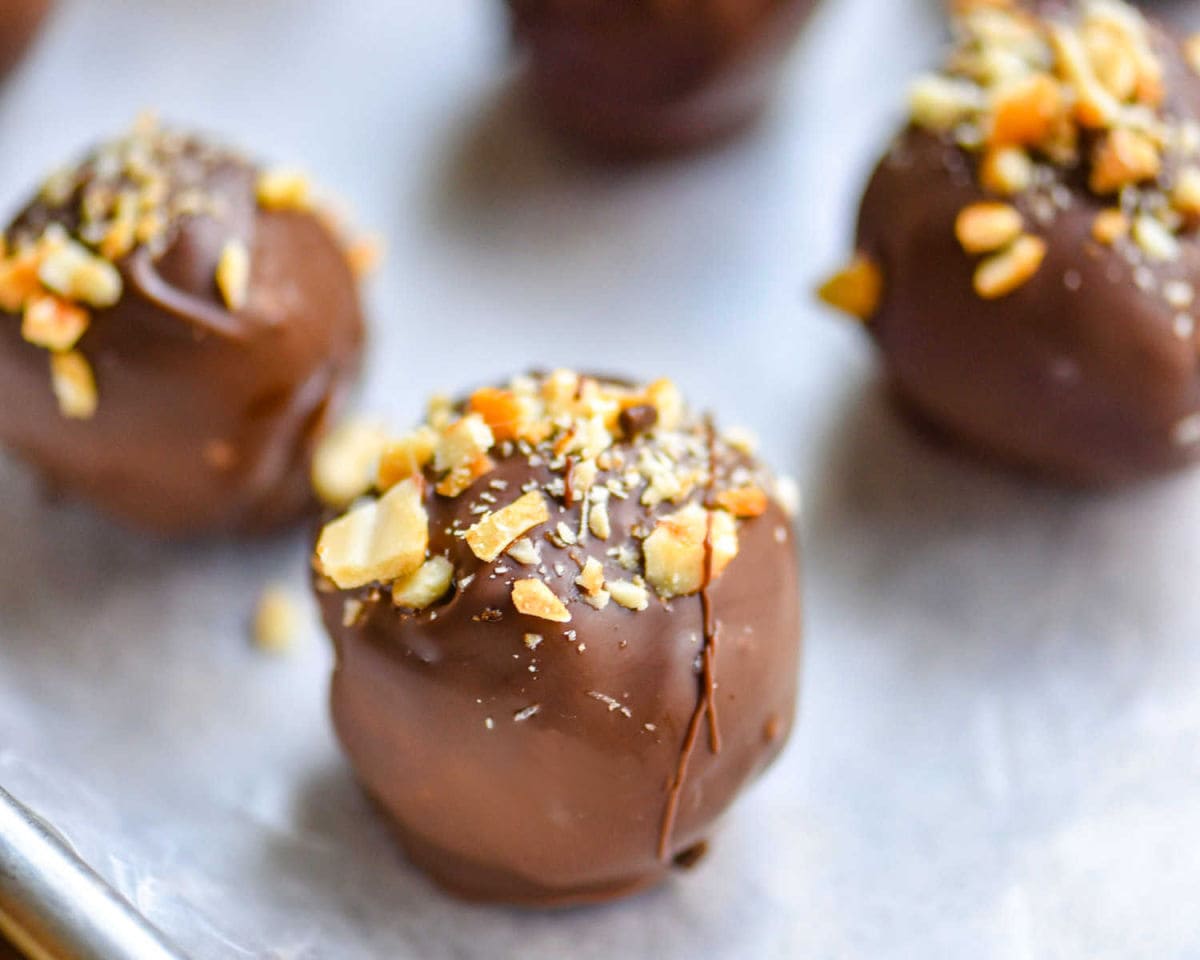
[206, 415]
[586, 766]
[1084, 373]
[631, 77]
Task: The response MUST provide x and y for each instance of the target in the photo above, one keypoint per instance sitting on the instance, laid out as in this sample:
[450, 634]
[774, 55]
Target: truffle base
[480, 883]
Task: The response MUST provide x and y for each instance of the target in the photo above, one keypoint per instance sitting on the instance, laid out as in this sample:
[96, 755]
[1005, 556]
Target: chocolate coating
[629, 77]
[572, 801]
[1081, 374]
[206, 415]
[20, 21]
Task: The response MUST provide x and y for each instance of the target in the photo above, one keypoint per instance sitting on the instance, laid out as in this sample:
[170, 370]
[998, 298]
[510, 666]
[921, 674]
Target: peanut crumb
[855, 290]
[233, 274]
[1004, 273]
[534, 599]
[74, 385]
[276, 620]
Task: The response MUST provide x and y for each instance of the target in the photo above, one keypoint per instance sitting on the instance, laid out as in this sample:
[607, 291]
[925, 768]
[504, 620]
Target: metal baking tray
[999, 748]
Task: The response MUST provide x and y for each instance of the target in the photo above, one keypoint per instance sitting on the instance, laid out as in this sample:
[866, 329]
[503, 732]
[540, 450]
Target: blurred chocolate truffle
[175, 325]
[1027, 250]
[20, 21]
[567, 623]
[634, 77]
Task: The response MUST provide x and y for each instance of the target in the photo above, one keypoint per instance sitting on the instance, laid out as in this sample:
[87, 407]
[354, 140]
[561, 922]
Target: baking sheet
[999, 753]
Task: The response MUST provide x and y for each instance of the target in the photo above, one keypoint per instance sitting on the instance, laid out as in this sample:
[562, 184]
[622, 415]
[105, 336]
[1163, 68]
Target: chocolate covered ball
[567, 623]
[19, 24]
[1027, 250]
[635, 77]
[176, 326]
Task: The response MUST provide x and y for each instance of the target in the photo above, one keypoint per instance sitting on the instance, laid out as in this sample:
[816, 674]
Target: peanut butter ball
[20, 21]
[632, 77]
[176, 325]
[567, 622]
[1028, 256]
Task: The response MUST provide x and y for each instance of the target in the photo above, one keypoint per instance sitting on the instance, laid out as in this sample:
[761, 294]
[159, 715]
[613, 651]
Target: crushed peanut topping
[529, 481]
[1046, 107]
[65, 256]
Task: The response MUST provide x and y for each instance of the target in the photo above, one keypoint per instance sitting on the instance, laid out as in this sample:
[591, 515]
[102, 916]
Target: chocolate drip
[706, 704]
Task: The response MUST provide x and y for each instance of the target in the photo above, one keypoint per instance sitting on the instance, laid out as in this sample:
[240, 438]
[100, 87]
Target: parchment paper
[999, 753]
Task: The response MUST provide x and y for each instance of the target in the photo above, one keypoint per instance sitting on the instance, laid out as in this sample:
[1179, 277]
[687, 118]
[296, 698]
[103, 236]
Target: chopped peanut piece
[666, 399]
[559, 391]
[440, 412]
[460, 479]
[463, 443]
[524, 552]
[425, 586]
[494, 533]
[676, 555]
[283, 190]
[588, 439]
[364, 255]
[1003, 273]
[940, 103]
[1110, 226]
[344, 463]
[745, 502]
[74, 272]
[461, 453]
[120, 238]
[18, 280]
[534, 599]
[631, 596]
[987, 227]
[856, 290]
[1154, 239]
[1185, 197]
[1095, 107]
[1115, 66]
[53, 323]
[406, 457]
[1123, 158]
[1026, 111]
[591, 578]
[599, 522]
[505, 413]
[74, 385]
[1006, 171]
[233, 274]
[583, 477]
[276, 621]
[382, 540]
[1191, 50]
